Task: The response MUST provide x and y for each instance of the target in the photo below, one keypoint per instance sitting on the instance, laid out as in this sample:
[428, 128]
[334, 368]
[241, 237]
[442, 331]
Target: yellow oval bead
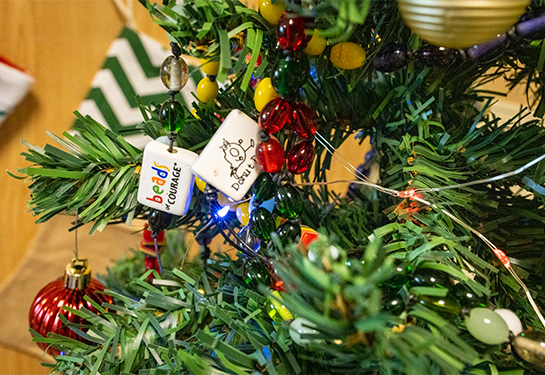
[200, 184]
[243, 213]
[207, 90]
[271, 12]
[347, 55]
[264, 93]
[210, 67]
[316, 44]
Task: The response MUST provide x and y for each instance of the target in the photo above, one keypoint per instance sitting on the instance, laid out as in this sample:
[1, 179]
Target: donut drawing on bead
[235, 154]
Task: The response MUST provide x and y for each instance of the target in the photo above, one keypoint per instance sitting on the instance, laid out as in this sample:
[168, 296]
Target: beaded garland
[174, 75]
[395, 56]
[283, 110]
[275, 98]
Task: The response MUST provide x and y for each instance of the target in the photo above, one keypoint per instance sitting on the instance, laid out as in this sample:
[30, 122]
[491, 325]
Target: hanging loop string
[125, 7]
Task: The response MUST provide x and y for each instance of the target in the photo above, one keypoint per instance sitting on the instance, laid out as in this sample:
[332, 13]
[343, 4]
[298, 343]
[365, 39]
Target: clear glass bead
[174, 73]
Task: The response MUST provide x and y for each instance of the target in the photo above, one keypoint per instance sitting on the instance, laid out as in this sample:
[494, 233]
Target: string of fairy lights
[415, 195]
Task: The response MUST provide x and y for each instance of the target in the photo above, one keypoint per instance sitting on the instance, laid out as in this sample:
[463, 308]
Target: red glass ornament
[274, 115]
[270, 155]
[303, 120]
[43, 315]
[300, 157]
[291, 32]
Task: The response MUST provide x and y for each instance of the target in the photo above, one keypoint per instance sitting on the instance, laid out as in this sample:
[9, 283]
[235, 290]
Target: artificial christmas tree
[408, 270]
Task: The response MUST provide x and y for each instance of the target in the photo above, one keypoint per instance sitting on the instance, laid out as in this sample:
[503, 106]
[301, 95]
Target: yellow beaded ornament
[316, 44]
[271, 12]
[207, 90]
[347, 55]
[264, 93]
[210, 67]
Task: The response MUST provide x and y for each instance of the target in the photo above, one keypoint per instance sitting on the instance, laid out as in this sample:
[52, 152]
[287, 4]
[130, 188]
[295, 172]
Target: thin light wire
[415, 196]
[246, 249]
[485, 180]
[350, 167]
[76, 236]
[340, 158]
[205, 227]
[357, 182]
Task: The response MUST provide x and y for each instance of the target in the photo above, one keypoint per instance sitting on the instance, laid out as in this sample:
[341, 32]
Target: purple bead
[391, 58]
[433, 56]
[363, 169]
[532, 24]
[253, 82]
[369, 156]
[488, 50]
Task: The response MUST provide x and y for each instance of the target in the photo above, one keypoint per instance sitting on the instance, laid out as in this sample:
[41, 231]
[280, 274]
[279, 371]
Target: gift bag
[15, 83]
[131, 69]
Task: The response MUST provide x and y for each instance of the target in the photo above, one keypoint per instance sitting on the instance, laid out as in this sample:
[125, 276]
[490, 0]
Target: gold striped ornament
[460, 23]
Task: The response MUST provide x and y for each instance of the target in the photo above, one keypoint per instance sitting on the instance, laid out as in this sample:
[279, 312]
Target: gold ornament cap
[78, 274]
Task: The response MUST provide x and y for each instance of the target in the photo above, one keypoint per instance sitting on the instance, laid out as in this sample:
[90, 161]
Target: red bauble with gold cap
[68, 291]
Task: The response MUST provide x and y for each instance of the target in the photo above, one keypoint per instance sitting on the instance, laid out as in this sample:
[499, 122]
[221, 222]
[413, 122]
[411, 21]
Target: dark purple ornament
[532, 24]
[391, 58]
[490, 50]
[433, 56]
[363, 170]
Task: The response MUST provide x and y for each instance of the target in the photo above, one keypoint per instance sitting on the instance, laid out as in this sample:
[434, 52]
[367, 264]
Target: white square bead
[166, 181]
[228, 162]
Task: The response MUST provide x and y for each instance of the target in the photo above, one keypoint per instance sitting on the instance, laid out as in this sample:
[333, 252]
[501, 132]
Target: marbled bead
[174, 73]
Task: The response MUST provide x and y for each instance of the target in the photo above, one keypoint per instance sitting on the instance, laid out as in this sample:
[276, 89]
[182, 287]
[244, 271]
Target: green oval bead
[430, 277]
[487, 326]
[261, 223]
[264, 188]
[398, 276]
[445, 306]
[288, 232]
[171, 116]
[256, 272]
[530, 346]
[288, 202]
[290, 74]
[393, 303]
[466, 297]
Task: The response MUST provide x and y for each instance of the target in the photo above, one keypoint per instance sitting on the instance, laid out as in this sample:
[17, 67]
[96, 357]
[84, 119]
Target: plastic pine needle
[415, 195]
